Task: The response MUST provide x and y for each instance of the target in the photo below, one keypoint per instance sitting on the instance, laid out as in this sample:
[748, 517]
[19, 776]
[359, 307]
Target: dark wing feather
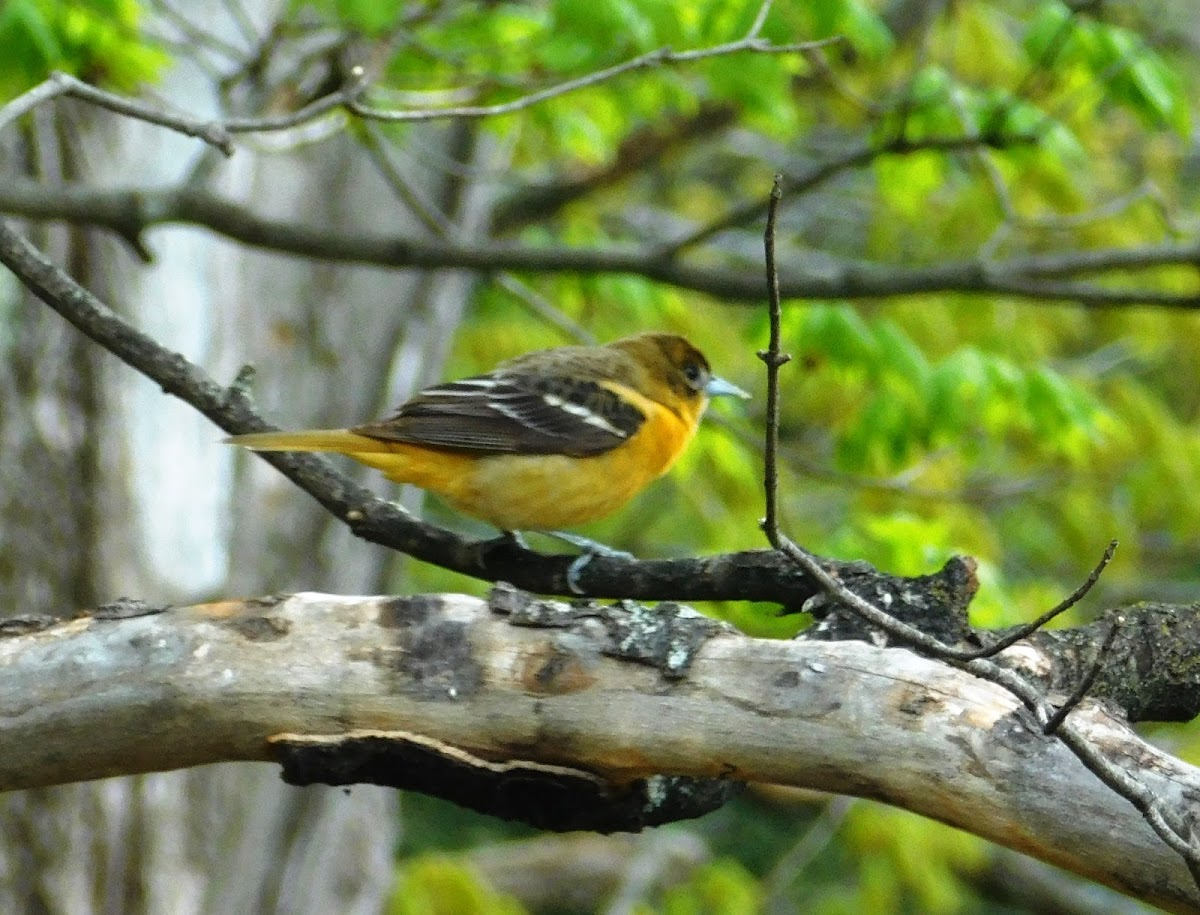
[513, 414]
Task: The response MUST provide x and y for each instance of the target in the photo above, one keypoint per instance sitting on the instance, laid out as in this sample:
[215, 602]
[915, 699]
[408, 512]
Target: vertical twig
[773, 359]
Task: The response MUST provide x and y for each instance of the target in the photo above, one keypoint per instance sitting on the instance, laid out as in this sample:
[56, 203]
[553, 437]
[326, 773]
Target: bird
[551, 439]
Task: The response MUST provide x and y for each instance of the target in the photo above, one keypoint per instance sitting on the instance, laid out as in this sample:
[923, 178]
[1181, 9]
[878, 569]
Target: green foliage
[98, 41]
[1135, 74]
[371, 17]
[908, 406]
[906, 863]
[437, 885]
[855, 22]
[722, 886]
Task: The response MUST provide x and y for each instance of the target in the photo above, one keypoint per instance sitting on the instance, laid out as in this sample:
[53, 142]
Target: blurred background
[958, 386]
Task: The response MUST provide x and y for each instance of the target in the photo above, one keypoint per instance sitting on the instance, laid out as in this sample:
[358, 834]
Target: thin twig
[241, 18]
[195, 36]
[426, 212]
[541, 307]
[1028, 629]
[1086, 683]
[789, 867]
[773, 358]
[60, 84]
[345, 97]
[818, 60]
[760, 19]
[215, 133]
[438, 224]
[649, 60]
[907, 96]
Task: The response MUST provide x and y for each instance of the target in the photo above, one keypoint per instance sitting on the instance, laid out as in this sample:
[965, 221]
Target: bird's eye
[694, 373]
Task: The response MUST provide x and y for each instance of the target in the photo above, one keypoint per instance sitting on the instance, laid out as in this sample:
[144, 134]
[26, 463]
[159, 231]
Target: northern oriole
[551, 439]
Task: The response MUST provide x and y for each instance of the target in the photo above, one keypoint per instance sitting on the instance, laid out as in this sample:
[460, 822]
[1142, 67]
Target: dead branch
[601, 691]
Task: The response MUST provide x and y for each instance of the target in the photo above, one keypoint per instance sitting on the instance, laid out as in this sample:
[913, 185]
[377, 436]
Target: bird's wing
[513, 413]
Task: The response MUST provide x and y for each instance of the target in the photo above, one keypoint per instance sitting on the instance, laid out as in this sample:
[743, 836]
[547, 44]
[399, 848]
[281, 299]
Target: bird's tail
[340, 440]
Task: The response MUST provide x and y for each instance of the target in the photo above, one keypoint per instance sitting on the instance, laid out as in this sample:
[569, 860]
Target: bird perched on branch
[551, 439]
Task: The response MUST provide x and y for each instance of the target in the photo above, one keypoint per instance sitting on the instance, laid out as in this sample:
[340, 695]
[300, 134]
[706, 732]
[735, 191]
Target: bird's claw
[574, 569]
[588, 545]
[590, 548]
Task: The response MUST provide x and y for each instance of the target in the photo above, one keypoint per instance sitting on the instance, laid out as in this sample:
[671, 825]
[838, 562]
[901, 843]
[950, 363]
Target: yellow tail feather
[339, 440]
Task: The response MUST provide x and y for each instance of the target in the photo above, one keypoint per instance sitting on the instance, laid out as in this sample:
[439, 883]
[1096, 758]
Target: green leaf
[854, 21]
[1049, 28]
[438, 885]
[931, 84]
[902, 355]
[26, 32]
[866, 31]
[839, 333]
[722, 885]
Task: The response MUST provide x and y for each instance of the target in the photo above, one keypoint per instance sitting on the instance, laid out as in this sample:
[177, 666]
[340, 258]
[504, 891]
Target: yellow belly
[540, 492]
[519, 493]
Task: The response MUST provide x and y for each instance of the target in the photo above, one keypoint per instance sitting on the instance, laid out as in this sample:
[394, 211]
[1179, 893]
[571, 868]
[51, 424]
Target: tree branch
[1177, 833]
[648, 61]
[130, 212]
[644, 146]
[61, 84]
[559, 687]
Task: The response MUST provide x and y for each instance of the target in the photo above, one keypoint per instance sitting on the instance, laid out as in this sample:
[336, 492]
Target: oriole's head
[674, 371]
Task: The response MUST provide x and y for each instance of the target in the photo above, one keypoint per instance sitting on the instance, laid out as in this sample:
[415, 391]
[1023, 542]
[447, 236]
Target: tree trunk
[116, 489]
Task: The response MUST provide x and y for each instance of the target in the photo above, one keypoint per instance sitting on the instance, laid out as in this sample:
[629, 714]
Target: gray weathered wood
[94, 697]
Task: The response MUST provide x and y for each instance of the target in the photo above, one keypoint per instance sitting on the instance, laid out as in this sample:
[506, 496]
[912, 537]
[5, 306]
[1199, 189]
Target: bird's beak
[719, 387]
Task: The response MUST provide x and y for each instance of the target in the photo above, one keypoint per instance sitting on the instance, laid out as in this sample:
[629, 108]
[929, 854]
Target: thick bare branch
[131, 212]
[558, 686]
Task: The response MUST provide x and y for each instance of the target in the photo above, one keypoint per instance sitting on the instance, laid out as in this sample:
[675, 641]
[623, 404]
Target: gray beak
[719, 387]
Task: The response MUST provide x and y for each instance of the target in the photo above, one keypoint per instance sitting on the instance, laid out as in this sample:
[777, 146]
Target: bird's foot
[509, 540]
[590, 548]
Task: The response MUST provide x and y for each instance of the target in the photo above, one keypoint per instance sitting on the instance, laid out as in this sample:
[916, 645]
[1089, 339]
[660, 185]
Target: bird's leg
[588, 545]
[590, 548]
[505, 540]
